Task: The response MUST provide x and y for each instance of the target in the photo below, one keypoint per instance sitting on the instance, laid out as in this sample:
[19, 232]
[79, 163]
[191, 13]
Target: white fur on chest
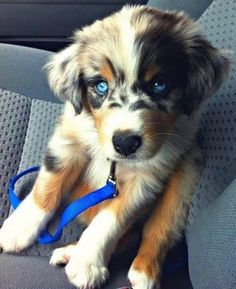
[97, 172]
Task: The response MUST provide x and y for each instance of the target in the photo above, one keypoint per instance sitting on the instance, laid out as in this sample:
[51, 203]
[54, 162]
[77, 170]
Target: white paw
[14, 236]
[61, 256]
[139, 280]
[22, 227]
[83, 273]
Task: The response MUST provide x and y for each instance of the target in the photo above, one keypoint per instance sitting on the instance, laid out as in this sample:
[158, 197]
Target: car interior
[31, 31]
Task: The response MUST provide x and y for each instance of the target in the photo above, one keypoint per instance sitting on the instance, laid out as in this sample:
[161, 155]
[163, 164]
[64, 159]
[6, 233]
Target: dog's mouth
[129, 158]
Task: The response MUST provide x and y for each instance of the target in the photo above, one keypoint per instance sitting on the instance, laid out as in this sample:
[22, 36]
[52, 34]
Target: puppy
[132, 84]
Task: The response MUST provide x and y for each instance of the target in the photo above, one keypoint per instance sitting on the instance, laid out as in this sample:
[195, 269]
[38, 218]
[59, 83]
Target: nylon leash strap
[74, 209]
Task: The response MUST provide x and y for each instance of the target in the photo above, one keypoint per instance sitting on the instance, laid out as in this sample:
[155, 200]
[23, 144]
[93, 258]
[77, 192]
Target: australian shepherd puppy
[132, 85]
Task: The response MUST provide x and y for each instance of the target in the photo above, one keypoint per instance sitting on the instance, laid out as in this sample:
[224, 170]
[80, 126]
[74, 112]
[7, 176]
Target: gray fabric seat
[34, 272]
[211, 229]
[22, 71]
[26, 124]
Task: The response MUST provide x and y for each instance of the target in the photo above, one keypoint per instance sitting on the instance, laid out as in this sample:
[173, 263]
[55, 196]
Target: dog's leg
[58, 173]
[87, 267]
[163, 228]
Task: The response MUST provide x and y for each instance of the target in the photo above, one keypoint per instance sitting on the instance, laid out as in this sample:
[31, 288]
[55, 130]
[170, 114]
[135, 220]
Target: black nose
[126, 143]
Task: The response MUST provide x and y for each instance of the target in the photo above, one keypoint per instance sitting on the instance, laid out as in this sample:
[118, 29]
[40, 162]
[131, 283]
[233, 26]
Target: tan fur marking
[158, 229]
[150, 73]
[106, 72]
[100, 118]
[80, 191]
[49, 187]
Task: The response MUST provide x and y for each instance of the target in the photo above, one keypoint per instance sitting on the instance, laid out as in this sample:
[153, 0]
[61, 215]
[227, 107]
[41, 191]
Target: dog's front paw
[61, 256]
[14, 236]
[23, 226]
[83, 273]
[140, 280]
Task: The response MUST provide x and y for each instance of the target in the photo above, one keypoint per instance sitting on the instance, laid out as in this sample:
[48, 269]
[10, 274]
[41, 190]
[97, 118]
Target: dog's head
[135, 72]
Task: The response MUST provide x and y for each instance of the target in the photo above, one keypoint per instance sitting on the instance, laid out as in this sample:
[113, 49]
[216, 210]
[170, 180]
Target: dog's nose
[126, 143]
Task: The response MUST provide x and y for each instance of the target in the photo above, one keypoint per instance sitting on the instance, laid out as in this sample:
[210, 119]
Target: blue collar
[74, 209]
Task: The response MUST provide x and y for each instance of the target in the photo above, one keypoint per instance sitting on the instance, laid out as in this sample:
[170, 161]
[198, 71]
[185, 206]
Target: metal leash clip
[112, 179]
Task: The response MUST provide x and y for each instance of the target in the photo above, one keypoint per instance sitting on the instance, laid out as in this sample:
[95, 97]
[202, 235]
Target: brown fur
[150, 73]
[158, 229]
[49, 187]
[106, 72]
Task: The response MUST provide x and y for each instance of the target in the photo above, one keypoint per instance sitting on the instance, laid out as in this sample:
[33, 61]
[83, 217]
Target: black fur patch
[162, 107]
[114, 104]
[121, 76]
[51, 162]
[207, 70]
[189, 63]
[123, 98]
[138, 105]
[78, 93]
[161, 49]
[95, 101]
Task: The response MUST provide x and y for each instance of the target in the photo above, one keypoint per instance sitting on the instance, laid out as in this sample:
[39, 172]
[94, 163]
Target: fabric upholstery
[24, 272]
[211, 224]
[193, 8]
[21, 71]
[14, 116]
[17, 273]
[218, 124]
[212, 244]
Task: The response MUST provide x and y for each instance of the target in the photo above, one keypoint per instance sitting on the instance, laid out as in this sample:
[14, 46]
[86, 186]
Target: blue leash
[74, 209]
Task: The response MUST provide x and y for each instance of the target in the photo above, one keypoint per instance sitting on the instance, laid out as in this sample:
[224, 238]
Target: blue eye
[159, 86]
[101, 87]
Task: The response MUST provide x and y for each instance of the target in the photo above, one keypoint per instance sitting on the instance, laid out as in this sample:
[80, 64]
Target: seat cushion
[211, 224]
[212, 244]
[27, 272]
[218, 122]
[14, 118]
[193, 8]
[22, 71]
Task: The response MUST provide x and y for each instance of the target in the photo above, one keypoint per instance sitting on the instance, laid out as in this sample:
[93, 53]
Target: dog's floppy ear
[208, 67]
[64, 76]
